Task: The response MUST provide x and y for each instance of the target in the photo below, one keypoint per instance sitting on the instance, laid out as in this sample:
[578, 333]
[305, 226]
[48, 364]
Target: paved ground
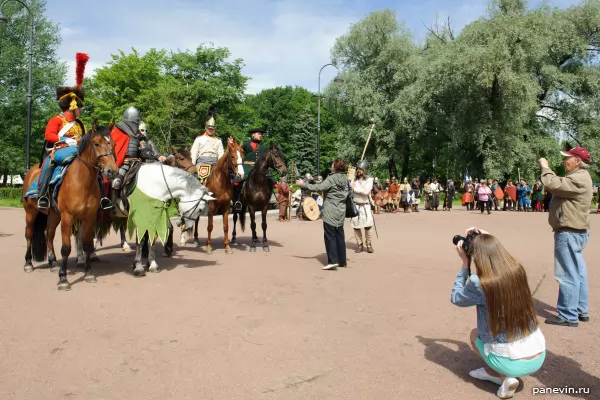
[273, 325]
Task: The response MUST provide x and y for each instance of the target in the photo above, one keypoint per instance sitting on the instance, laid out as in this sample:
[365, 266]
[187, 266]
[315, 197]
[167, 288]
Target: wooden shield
[467, 198]
[310, 208]
[380, 198]
[499, 193]
[511, 191]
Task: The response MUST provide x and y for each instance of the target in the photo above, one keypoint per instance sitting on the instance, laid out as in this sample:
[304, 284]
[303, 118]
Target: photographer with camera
[507, 337]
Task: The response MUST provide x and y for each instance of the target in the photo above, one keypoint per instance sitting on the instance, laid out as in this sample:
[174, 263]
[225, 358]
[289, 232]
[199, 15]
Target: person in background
[484, 194]
[435, 190]
[337, 190]
[450, 192]
[569, 218]
[509, 203]
[537, 197]
[508, 338]
[493, 187]
[283, 199]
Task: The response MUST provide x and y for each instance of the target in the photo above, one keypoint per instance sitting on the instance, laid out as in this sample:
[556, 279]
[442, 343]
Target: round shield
[381, 199]
[311, 209]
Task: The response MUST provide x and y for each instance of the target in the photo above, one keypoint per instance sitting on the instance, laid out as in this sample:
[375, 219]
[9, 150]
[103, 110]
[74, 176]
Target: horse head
[276, 159]
[183, 160]
[236, 156]
[96, 150]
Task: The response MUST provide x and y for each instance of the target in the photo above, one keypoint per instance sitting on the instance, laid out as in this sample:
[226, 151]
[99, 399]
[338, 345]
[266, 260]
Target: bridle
[96, 156]
[269, 154]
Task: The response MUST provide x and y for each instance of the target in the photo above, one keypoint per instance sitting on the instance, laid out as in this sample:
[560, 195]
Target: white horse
[163, 183]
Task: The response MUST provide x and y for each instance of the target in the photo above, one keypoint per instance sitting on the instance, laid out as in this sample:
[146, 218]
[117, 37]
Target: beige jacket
[571, 199]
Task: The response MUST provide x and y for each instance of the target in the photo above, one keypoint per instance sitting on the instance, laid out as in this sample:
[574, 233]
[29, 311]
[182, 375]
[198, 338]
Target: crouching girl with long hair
[507, 337]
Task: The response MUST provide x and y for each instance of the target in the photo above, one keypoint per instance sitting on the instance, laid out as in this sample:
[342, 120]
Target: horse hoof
[63, 286]
[90, 279]
[252, 249]
[54, 269]
[139, 272]
[209, 251]
[126, 248]
[266, 249]
[228, 250]
[94, 257]
[154, 269]
[28, 268]
[167, 254]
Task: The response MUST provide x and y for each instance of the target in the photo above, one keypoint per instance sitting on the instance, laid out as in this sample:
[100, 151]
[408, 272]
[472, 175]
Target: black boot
[44, 199]
[238, 195]
[105, 203]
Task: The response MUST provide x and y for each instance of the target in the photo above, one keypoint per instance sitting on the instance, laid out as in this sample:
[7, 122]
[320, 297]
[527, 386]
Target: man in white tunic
[362, 184]
[207, 148]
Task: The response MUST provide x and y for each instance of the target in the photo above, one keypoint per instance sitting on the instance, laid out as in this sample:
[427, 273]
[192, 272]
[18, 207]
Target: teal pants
[508, 366]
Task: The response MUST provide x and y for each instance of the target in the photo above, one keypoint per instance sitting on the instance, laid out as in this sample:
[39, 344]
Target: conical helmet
[211, 119]
[364, 165]
[131, 114]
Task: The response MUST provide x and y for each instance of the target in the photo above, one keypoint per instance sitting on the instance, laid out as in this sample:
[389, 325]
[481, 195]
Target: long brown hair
[504, 282]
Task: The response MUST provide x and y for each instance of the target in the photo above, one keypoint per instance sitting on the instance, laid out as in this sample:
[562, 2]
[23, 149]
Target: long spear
[368, 139]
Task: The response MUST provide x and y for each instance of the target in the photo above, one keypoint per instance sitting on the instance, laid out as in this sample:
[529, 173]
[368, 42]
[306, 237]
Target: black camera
[466, 244]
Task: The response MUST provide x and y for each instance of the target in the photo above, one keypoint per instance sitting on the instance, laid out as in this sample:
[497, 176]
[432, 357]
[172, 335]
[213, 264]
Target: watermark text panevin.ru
[561, 390]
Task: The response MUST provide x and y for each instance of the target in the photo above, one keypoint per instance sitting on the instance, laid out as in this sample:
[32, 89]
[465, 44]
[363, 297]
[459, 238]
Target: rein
[191, 210]
[98, 157]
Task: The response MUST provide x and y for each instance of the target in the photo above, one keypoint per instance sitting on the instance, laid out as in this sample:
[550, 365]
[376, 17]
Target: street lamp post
[319, 117]
[4, 20]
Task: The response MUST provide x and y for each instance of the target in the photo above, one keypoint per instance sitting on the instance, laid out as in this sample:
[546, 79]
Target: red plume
[81, 59]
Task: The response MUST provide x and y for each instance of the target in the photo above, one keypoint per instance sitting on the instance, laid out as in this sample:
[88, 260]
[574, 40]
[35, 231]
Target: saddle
[119, 197]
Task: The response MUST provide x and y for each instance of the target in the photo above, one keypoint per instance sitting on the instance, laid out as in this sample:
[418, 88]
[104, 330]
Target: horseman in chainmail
[126, 137]
[362, 185]
[153, 154]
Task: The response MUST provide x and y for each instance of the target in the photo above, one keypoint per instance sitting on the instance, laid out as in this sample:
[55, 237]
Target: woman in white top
[507, 337]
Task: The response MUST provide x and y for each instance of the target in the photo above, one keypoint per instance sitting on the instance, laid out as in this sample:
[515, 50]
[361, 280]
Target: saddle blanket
[57, 178]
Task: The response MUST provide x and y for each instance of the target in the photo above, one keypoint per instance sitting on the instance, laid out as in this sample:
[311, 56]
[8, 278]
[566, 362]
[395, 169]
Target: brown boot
[368, 240]
[359, 240]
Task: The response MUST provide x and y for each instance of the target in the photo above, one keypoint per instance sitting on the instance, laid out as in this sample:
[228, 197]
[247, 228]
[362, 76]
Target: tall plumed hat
[72, 97]
[211, 119]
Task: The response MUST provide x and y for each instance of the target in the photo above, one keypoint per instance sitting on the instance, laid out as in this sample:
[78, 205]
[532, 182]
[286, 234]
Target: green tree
[173, 90]
[48, 72]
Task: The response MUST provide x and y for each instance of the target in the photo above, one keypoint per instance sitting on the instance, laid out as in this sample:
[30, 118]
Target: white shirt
[528, 346]
[362, 190]
[435, 187]
[207, 146]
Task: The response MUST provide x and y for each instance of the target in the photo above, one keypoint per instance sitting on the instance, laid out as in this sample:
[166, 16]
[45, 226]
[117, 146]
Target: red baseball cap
[581, 152]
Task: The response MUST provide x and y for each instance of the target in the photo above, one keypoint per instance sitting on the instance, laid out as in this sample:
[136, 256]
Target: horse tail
[243, 217]
[39, 248]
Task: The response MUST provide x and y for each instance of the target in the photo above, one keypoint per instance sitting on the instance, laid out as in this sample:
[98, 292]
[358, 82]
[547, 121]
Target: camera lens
[456, 239]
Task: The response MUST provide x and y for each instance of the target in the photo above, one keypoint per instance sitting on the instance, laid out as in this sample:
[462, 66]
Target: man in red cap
[569, 218]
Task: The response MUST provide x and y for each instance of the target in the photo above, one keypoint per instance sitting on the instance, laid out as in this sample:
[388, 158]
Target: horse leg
[138, 268]
[253, 227]
[29, 219]
[79, 248]
[226, 232]
[144, 244]
[152, 264]
[233, 241]
[168, 248]
[264, 229]
[124, 245]
[86, 234]
[65, 227]
[196, 240]
[209, 228]
[53, 221]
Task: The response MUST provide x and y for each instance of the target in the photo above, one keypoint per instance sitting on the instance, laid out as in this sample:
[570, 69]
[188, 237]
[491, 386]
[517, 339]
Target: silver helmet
[364, 165]
[132, 114]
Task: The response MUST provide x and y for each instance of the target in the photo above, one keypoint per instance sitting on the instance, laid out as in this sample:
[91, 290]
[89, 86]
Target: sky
[281, 42]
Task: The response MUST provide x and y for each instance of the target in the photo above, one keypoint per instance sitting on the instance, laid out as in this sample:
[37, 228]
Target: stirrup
[106, 204]
[238, 206]
[43, 202]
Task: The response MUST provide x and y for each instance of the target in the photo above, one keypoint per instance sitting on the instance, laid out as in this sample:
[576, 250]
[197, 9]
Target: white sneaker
[482, 374]
[508, 388]
[330, 266]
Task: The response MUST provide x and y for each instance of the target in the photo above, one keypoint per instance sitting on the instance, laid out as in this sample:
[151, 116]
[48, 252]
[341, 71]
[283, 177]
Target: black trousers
[335, 244]
[486, 204]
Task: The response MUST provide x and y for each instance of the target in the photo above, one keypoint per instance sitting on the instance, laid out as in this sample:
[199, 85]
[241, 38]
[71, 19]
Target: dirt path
[273, 325]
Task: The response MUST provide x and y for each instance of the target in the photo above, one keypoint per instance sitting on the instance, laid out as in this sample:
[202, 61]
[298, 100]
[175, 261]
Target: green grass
[11, 203]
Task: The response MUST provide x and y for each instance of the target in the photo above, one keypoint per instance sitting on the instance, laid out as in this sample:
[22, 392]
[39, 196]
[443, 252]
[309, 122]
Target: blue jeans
[570, 271]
